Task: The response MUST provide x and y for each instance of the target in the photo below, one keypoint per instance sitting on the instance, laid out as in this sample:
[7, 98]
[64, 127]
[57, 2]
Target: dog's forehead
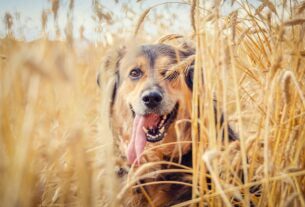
[151, 54]
[154, 51]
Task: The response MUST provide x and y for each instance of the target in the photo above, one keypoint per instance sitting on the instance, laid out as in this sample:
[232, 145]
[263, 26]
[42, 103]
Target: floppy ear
[187, 49]
[188, 76]
[115, 88]
[110, 71]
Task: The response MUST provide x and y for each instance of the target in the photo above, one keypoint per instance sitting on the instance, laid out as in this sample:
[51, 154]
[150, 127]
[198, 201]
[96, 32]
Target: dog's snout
[152, 99]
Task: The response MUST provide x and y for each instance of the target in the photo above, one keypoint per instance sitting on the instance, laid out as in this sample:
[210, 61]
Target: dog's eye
[135, 73]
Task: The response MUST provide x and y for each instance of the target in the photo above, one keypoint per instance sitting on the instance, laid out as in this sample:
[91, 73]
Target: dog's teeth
[161, 130]
[162, 122]
[152, 136]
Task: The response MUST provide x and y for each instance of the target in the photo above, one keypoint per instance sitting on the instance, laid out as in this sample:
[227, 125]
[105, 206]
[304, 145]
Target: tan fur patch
[128, 95]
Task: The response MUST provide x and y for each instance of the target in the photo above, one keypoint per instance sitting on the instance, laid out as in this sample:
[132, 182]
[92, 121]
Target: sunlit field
[56, 146]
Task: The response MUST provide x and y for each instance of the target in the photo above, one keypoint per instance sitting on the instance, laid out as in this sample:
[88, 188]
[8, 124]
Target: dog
[148, 101]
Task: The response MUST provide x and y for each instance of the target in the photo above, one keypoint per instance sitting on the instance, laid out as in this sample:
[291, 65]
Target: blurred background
[95, 21]
[55, 143]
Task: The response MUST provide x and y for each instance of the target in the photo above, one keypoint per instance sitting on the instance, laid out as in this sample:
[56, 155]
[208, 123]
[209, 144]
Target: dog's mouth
[151, 128]
[156, 132]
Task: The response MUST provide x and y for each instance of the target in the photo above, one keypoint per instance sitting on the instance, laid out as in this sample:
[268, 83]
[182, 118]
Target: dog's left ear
[189, 76]
[187, 49]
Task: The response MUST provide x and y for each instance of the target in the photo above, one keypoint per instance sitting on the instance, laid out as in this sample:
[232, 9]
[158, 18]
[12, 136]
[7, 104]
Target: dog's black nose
[152, 98]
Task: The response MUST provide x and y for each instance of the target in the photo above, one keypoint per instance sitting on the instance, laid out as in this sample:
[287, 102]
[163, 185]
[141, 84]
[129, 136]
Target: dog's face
[148, 101]
[143, 72]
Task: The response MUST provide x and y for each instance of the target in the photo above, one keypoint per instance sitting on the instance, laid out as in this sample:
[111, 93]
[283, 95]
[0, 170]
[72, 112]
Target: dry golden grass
[49, 118]
[55, 143]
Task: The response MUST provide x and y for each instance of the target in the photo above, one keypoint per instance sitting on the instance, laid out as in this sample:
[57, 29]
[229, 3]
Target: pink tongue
[138, 138]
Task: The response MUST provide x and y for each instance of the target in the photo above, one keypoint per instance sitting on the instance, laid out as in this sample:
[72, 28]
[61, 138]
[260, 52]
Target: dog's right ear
[109, 73]
[110, 65]
[115, 88]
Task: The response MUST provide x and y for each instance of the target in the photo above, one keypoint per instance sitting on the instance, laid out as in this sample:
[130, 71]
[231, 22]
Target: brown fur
[156, 61]
[128, 93]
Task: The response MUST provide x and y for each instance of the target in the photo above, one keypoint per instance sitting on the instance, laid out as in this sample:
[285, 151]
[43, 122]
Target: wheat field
[55, 142]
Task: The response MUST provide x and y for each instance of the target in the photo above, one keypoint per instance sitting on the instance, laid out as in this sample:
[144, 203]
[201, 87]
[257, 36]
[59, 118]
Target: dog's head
[146, 100]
